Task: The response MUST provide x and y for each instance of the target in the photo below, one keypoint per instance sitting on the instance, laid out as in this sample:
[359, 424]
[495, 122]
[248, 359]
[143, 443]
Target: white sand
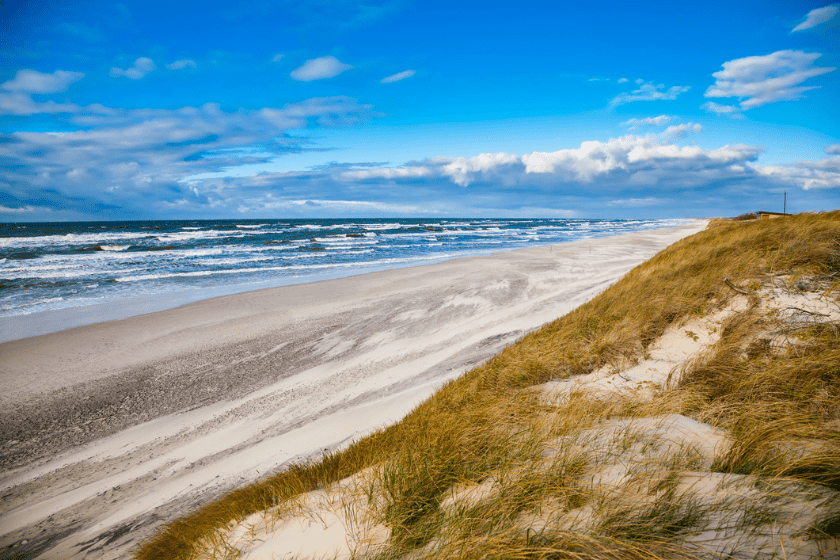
[109, 430]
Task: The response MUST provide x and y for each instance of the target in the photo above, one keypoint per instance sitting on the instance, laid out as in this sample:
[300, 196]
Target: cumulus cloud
[623, 80]
[640, 160]
[648, 91]
[758, 80]
[626, 162]
[141, 67]
[319, 69]
[180, 64]
[32, 81]
[464, 171]
[636, 124]
[822, 174]
[834, 149]
[818, 16]
[398, 76]
[277, 58]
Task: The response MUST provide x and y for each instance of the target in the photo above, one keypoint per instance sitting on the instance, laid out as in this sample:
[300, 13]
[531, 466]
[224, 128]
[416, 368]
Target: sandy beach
[111, 429]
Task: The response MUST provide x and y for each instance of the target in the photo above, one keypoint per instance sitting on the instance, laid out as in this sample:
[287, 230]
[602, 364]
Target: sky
[326, 108]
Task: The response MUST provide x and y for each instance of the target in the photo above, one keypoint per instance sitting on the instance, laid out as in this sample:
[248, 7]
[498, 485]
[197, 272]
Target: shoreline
[139, 420]
[25, 325]
[17, 327]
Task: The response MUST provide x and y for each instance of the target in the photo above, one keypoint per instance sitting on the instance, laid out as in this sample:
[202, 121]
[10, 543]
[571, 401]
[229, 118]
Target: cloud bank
[142, 160]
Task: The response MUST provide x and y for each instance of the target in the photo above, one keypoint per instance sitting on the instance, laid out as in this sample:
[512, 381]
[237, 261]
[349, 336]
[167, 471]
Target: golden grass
[487, 427]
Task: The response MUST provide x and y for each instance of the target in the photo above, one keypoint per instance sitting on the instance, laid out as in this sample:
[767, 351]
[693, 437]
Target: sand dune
[111, 429]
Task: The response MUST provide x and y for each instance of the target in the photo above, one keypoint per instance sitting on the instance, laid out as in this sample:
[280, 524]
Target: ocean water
[46, 267]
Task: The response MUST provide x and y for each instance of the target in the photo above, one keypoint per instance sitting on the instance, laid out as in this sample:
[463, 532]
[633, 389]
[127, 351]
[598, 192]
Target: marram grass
[486, 431]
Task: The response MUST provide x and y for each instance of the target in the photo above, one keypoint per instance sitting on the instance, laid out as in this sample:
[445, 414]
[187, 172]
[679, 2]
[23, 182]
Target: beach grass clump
[781, 406]
[488, 468]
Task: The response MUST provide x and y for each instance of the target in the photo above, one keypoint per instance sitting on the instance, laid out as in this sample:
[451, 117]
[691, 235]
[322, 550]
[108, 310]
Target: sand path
[109, 430]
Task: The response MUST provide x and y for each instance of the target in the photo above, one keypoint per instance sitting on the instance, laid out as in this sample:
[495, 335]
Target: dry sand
[109, 430]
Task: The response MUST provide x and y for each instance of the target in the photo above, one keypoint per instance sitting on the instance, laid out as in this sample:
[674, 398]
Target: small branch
[806, 311]
[729, 283]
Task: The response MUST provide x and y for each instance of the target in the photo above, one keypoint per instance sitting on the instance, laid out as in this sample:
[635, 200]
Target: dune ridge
[689, 411]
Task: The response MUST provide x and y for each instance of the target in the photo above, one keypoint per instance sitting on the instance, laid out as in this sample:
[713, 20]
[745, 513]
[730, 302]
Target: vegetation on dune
[540, 472]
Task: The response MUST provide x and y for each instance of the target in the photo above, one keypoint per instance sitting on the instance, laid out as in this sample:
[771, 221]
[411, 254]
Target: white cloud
[398, 76]
[184, 63]
[319, 68]
[23, 104]
[464, 171]
[141, 67]
[818, 16]
[823, 174]
[758, 80]
[640, 160]
[27, 83]
[635, 124]
[32, 81]
[623, 80]
[277, 58]
[718, 109]
[407, 172]
[681, 131]
[834, 149]
[329, 111]
[649, 92]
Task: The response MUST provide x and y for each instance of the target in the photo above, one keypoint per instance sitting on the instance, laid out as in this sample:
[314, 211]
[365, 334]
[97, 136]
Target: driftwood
[729, 283]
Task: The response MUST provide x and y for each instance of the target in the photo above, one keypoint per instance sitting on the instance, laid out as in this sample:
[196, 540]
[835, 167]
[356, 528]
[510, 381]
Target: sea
[47, 267]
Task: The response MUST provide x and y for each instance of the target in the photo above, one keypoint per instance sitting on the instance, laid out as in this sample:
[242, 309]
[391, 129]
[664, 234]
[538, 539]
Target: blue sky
[262, 109]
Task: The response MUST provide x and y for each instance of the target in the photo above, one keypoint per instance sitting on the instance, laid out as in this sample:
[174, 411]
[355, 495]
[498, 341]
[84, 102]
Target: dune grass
[536, 463]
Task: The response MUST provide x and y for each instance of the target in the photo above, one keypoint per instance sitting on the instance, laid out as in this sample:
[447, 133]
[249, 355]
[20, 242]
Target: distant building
[770, 215]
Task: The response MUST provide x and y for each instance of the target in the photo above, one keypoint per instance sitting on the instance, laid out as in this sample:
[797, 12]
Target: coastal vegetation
[736, 453]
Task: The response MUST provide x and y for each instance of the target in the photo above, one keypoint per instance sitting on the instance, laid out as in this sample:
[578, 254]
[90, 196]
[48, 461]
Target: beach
[111, 429]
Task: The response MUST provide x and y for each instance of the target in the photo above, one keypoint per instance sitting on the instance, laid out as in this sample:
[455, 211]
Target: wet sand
[109, 430]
